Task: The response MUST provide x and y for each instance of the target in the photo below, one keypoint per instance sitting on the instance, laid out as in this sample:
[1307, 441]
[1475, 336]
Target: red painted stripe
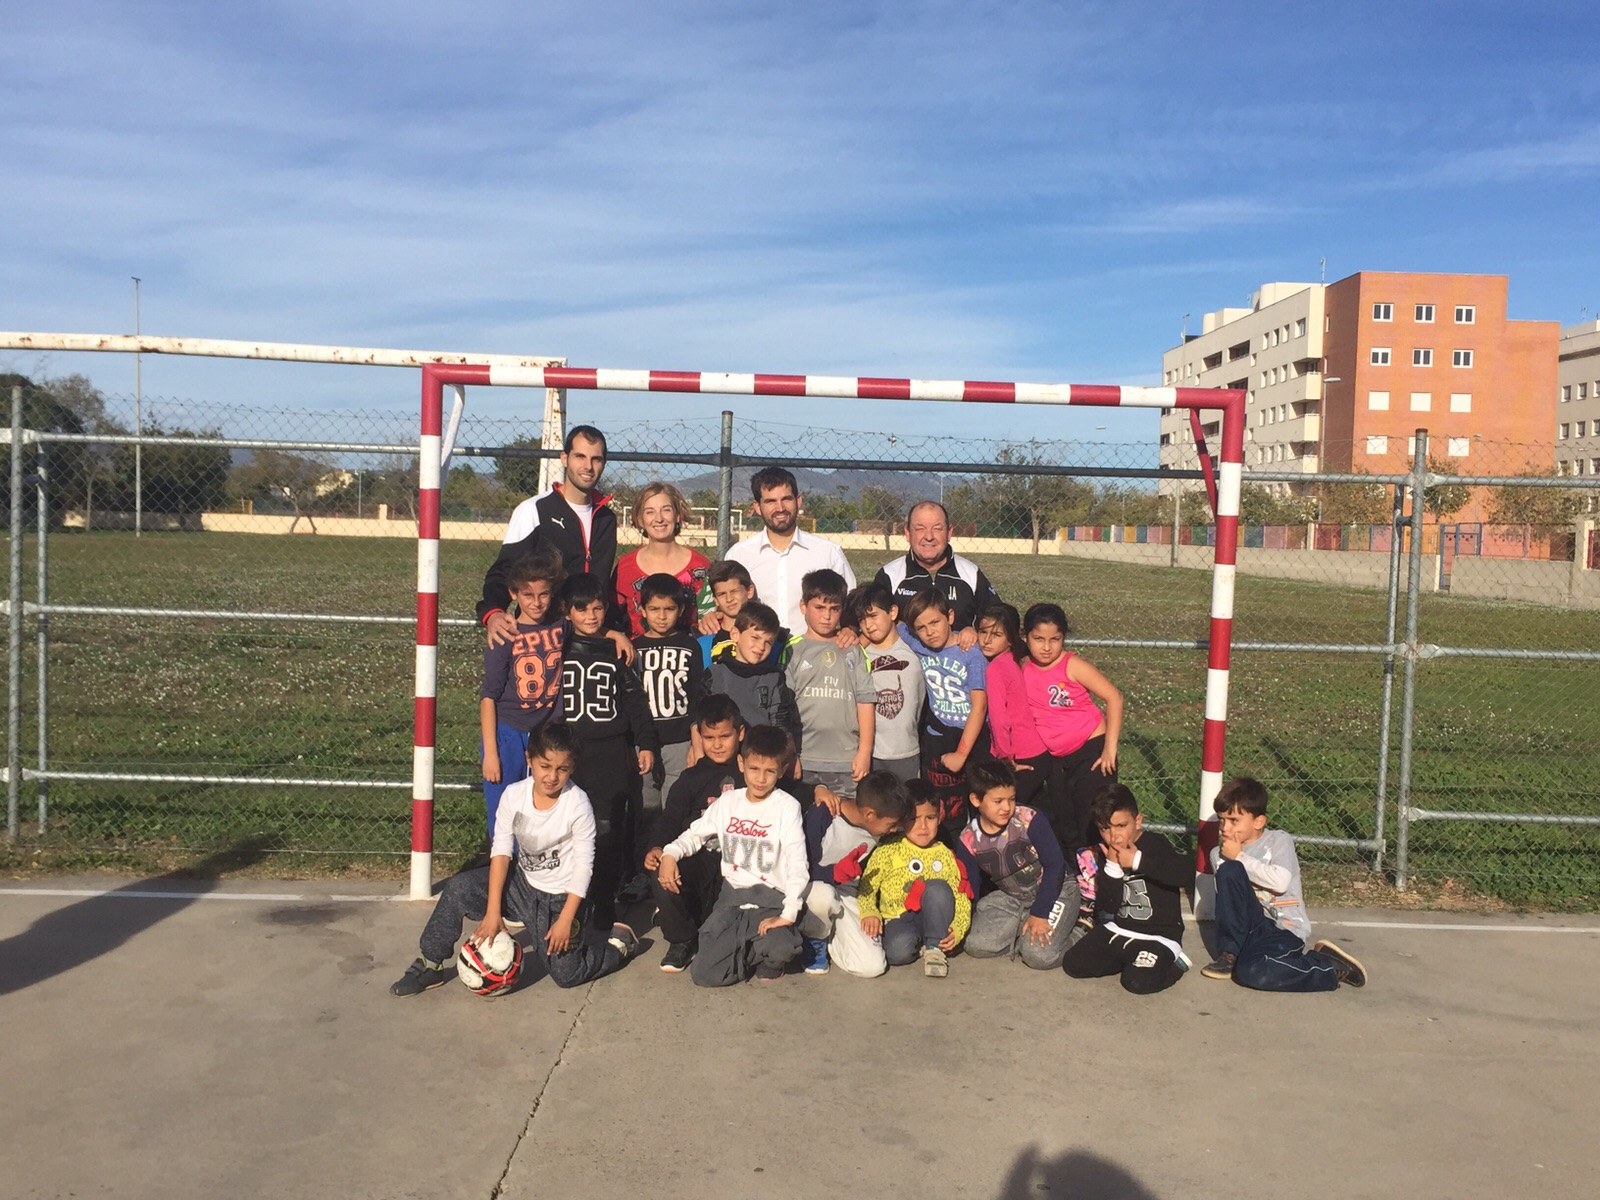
[883, 389]
[1221, 643]
[674, 381]
[432, 402]
[422, 826]
[1210, 835]
[427, 618]
[1199, 397]
[1096, 394]
[424, 710]
[1227, 552]
[1211, 745]
[428, 514]
[780, 385]
[571, 377]
[992, 393]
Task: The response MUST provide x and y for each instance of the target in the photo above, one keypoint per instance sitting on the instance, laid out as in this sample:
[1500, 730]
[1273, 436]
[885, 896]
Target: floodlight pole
[138, 422]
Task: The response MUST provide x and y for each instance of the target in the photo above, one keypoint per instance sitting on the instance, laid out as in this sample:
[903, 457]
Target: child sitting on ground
[546, 820]
[953, 731]
[834, 697]
[1262, 927]
[836, 846]
[1138, 932]
[750, 931]
[896, 672]
[746, 670]
[914, 893]
[667, 662]
[1027, 899]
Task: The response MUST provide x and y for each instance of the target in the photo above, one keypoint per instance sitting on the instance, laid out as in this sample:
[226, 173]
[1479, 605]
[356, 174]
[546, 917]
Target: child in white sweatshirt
[751, 930]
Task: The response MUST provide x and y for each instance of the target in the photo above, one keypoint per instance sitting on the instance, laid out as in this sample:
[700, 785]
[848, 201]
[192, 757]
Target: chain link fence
[238, 670]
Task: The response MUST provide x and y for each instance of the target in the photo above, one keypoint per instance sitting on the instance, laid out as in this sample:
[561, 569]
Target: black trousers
[681, 914]
[1063, 787]
[1146, 967]
[950, 787]
[608, 771]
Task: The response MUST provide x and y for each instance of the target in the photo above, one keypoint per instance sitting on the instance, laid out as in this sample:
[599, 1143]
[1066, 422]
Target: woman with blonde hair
[659, 512]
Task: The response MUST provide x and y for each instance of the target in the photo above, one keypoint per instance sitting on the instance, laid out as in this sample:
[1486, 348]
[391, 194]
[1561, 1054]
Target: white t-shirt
[777, 575]
[761, 842]
[554, 846]
[585, 513]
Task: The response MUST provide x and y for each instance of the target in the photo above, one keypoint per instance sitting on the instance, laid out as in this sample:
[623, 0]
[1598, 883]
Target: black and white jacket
[958, 579]
[547, 522]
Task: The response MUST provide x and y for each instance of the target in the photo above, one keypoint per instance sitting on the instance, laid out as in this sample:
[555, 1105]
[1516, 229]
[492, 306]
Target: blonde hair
[680, 505]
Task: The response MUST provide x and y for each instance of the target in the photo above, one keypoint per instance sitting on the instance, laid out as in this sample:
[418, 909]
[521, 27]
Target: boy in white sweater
[751, 930]
[545, 821]
[1262, 928]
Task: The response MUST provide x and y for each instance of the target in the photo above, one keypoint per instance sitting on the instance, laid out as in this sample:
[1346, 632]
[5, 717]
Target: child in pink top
[1011, 733]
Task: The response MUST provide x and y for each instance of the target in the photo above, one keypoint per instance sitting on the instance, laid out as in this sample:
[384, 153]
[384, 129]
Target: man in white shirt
[782, 553]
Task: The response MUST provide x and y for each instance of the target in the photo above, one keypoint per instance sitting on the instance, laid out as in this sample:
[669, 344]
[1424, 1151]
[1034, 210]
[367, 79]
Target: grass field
[284, 700]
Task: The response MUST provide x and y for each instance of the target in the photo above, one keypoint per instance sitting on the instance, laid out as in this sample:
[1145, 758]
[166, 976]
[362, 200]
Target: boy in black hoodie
[667, 662]
[601, 703]
[746, 668]
[1138, 932]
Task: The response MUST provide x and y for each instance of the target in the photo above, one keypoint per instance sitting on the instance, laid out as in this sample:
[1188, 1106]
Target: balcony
[1300, 429]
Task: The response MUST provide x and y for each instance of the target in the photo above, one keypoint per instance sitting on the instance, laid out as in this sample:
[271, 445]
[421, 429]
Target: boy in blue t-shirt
[952, 731]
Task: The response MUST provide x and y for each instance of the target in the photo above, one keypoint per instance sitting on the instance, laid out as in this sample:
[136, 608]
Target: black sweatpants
[680, 914]
[950, 787]
[1146, 967]
[1063, 787]
[608, 772]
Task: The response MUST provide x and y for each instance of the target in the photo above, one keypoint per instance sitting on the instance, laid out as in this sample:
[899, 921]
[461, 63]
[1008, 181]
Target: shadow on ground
[1076, 1174]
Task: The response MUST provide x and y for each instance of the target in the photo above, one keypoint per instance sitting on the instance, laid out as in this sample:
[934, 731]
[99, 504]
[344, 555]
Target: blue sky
[1011, 190]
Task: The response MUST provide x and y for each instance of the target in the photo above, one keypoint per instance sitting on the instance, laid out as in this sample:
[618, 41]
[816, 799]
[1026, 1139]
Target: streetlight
[138, 422]
[1322, 431]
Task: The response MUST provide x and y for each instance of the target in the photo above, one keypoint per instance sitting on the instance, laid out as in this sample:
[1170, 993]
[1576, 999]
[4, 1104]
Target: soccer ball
[492, 967]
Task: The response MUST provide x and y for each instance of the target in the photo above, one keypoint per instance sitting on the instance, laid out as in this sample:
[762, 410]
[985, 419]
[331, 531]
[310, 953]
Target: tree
[1442, 499]
[73, 405]
[1041, 498]
[184, 480]
[396, 488]
[520, 475]
[467, 488]
[1260, 505]
[1355, 503]
[1534, 506]
[879, 503]
[278, 475]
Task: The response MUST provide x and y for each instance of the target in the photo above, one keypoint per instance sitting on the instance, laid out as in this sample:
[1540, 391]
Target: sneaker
[769, 974]
[1221, 967]
[1349, 969]
[678, 956]
[419, 977]
[814, 956]
[934, 963]
[625, 941]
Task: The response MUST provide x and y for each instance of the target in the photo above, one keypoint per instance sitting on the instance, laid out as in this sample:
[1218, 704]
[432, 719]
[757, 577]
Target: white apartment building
[1274, 350]
[1578, 410]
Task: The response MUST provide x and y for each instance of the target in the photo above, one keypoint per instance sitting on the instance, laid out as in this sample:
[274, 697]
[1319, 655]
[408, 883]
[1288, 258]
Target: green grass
[286, 700]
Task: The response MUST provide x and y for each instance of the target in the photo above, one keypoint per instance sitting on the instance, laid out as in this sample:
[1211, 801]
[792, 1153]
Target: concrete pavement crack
[499, 1188]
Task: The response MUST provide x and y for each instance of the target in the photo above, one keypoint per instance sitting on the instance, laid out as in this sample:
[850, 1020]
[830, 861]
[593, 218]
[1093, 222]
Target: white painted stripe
[422, 760]
[427, 671]
[428, 465]
[428, 565]
[516, 376]
[1228, 480]
[1210, 786]
[421, 874]
[725, 383]
[1149, 397]
[1458, 927]
[1044, 393]
[937, 389]
[1223, 576]
[154, 894]
[622, 381]
[843, 387]
[1216, 694]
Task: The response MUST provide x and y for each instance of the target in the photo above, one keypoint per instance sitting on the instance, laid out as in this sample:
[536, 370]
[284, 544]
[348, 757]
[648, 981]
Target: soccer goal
[1222, 485]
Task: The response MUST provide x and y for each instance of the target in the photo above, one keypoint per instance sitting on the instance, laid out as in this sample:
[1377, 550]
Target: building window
[1411, 446]
[1583, 391]
[1424, 314]
[1564, 432]
[1577, 466]
[1566, 392]
[1594, 466]
[1461, 358]
[1300, 328]
[1457, 447]
[1377, 444]
[1383, 312]
[1380, 356]
[1583, 428]
[1422, 358]
[1378, 401]
[1466, 314]
[1460, 401]
[1421, 401]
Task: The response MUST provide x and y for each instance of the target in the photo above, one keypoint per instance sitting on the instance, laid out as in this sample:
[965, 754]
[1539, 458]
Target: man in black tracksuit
[931, 565]
[602, 703]
[572, 520]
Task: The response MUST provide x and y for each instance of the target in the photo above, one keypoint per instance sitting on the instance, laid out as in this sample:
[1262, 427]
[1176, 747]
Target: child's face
[932, 628]
[658, 518]
[730, 596]
[588, 619]
[550, 771]
[1240, 826]
[924, 829]
[877, 824]
[760, 774]
[661, 614]
[822, 616]
[1045, 643]
[533, 600]
[1123, 831]
[752, 644]
[877, 625]
[720, 741]
[992, 639]
[995, 807]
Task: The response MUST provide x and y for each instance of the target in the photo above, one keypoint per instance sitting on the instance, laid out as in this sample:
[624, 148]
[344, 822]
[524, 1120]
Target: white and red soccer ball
[492, 967]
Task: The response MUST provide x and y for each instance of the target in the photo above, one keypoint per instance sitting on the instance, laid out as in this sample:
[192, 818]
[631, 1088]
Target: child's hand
[624, 646]
[845, 638]
[872, 927]
[491, 766]
[647, 762]
[559, 937]
[1037, 931]
[967, 638]
[1230, 848]
[711, 622]
[861, 764]
[667, 874]
[694, 755]
[772, 923]
[1022, 766]
[1123, 856]
[950, 941]
[652, 858]
[829, 799]
[1107, 762]
[488, 929]
[499, 627]
[954, 761]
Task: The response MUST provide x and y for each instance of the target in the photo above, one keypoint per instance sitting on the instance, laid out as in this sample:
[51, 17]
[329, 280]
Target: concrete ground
[238, 1039]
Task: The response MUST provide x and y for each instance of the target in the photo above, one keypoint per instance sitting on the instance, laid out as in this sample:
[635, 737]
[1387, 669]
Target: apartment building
[1578, 409]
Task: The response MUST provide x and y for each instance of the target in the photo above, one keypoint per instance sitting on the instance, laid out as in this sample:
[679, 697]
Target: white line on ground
[1462, 928]
[141, 894]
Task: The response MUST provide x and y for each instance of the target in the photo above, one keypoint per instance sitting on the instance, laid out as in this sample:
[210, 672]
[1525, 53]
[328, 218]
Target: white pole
[138, 423]
[551, 435]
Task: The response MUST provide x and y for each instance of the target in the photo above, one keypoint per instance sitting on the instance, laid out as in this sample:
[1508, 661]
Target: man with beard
[782, 554]
[932, 566]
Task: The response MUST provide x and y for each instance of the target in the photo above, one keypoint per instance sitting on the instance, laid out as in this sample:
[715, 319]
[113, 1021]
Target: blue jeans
[911, 932]
[1267, 957]
[512, 745]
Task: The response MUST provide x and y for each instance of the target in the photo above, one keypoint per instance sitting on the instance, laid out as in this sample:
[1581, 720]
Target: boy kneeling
[751, 931]
[547, 820]
[1262, 927]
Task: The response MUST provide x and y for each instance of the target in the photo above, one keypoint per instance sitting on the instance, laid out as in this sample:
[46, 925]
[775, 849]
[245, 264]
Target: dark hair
[545, 740]
[983, 777]
[920, 603]
[1113, 798]
[868, 595]
[884, 794]
[661, 586]
[538, 567]
[1243, 794]
[581, 590]
[1010, 625]
[1045, 614]
[588, 433]
[714, 708]
[824, 585]
[757, 615]
[722, 572]
[768, 741]
[768, 478]
[920, 792]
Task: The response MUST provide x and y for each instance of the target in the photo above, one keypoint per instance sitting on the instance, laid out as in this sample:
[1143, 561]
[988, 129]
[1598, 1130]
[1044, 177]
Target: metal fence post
[1408, 688]
[14, 627]
[1387, 708]
[41, 624]
[725, 488]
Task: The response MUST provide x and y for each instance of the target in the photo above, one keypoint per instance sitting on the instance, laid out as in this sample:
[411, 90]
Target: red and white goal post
[1225, 489]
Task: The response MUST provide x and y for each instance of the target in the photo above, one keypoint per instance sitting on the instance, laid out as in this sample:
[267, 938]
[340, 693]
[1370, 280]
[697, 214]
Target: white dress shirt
[777, 575]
